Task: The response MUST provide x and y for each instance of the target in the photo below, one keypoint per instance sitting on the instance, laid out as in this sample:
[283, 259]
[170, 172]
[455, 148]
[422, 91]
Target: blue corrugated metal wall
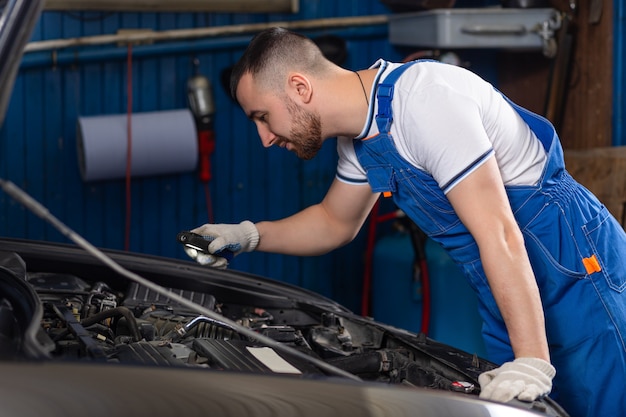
[38, 141]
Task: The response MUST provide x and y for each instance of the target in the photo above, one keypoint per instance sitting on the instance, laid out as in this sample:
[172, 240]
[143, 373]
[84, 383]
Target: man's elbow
[348, 236]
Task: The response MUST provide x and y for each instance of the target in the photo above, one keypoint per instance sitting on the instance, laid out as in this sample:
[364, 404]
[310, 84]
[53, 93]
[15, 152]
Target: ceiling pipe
[71, 57]
[148, 36]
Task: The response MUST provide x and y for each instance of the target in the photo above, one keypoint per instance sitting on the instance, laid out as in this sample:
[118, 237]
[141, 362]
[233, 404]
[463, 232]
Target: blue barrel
[396, 298]
[454, 317]
[397, 294]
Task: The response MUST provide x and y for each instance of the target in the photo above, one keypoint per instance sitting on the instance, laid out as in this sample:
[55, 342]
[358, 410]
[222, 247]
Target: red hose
[375, 219]
[369, 255]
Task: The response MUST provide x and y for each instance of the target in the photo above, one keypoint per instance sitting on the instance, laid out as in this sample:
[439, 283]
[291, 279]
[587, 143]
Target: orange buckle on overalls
[591, 264]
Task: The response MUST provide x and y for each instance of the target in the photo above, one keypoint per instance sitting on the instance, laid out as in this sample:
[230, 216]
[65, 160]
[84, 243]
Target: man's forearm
[307, 233]
[322, 227]
[515, 290]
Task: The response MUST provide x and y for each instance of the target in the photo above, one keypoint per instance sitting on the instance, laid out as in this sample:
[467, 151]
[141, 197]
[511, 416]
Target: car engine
[93, 322]
[67, 316]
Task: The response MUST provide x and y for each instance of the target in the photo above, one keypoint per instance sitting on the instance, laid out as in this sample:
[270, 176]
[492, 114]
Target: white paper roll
[163, 142]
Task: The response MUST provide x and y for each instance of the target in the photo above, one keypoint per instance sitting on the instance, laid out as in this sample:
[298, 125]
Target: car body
[85, 331]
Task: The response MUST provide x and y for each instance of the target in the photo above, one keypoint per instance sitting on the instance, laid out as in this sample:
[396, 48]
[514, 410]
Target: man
[481, 176]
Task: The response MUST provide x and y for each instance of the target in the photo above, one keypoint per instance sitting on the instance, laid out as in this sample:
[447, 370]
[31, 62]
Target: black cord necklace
[363, 87]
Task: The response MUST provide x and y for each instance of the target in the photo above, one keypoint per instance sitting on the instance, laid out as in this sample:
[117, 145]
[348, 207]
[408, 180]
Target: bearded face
[306, 132]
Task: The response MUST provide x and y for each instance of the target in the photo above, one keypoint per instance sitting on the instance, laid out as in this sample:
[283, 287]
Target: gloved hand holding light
[216, 244]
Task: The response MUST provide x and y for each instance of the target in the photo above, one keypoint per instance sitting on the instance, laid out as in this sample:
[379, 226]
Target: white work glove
[237, 238]
[524, 378]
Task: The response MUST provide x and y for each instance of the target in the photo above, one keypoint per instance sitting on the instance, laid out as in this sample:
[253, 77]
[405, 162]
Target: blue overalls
[577, 250]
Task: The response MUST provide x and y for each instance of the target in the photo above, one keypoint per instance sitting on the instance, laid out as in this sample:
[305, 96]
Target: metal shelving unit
[491, 27]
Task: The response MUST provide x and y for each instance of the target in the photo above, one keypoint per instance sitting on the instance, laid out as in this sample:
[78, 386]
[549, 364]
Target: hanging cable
[129, 141]
[209, 204]
[369, 256]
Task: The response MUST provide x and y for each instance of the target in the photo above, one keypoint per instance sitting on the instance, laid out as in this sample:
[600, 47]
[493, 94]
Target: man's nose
[266, 135]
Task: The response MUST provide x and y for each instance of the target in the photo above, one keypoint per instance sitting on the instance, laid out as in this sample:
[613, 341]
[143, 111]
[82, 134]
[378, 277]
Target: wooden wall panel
[588, 101]
[603, 171]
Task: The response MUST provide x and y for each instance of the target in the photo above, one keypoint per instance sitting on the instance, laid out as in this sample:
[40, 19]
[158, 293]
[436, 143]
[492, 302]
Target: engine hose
[372, 362]
[116, 312]
[395, 364]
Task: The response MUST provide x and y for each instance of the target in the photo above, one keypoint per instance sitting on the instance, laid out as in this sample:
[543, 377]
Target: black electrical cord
[106, 314]
[131, 321]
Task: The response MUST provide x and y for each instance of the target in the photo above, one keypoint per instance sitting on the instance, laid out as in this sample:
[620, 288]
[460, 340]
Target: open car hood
[64, 316]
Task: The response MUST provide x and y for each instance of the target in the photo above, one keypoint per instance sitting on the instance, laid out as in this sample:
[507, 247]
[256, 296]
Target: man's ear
[300, 87]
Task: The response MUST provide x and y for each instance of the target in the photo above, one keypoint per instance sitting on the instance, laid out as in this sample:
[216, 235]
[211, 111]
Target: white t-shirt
[448, 121]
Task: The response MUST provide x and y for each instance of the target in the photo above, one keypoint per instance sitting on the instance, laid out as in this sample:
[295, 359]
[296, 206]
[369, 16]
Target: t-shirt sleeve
[348, 168]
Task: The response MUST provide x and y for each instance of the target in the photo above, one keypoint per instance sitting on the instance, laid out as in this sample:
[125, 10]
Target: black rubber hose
[115, 312]
[372, 362]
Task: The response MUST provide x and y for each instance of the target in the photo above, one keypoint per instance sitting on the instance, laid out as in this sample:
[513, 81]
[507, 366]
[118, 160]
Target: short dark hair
[272, 47]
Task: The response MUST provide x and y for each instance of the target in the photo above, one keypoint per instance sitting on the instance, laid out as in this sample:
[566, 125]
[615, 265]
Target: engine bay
[67, 309]
[93, 322]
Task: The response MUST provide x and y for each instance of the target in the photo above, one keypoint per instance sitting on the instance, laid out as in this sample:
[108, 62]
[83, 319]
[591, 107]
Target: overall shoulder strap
[384, 95]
